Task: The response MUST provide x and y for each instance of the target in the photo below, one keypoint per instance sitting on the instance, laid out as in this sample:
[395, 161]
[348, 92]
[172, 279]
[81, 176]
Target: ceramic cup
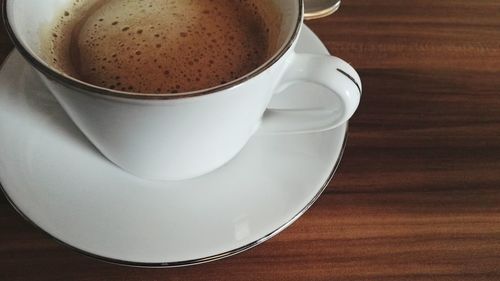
[184, 135]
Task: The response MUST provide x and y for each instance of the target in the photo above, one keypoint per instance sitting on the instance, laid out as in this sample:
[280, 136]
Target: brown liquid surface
[159, 46]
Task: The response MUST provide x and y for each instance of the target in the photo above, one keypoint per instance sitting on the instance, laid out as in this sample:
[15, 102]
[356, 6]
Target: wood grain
[417, 196]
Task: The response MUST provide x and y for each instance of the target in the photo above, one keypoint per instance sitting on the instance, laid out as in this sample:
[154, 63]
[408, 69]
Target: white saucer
[57, 180]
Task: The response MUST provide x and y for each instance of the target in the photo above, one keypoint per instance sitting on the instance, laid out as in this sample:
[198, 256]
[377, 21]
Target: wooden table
[417, 196]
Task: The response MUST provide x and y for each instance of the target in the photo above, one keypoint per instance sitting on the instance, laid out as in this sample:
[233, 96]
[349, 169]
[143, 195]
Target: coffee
[160, 46]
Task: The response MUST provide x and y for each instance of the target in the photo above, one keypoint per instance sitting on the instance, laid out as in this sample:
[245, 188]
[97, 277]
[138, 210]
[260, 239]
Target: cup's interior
[27, 20]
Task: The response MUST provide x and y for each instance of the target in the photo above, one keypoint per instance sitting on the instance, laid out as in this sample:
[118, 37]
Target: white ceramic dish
[177, 136]
[58, 181]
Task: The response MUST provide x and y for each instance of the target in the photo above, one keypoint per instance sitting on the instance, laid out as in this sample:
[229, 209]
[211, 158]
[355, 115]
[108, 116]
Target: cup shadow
[43, 106]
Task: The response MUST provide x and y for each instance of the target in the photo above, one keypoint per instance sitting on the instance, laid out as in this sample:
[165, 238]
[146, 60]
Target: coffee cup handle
[328, 71]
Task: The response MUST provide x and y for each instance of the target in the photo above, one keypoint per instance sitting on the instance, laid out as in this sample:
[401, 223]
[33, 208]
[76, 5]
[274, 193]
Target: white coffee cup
[184, 135]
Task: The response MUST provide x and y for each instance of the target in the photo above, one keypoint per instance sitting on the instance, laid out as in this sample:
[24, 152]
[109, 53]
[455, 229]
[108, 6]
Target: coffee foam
[164, 46]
